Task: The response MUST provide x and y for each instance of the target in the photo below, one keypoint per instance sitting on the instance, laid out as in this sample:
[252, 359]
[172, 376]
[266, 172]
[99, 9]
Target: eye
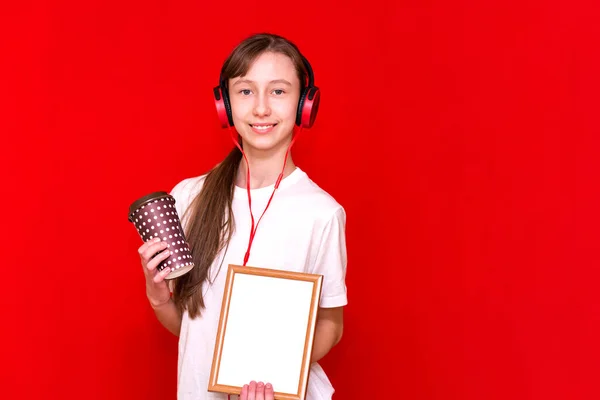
[245, 92]
[278, 92]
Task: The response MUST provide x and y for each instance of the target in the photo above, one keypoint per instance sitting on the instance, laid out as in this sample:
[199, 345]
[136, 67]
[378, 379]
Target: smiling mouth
[262, 127]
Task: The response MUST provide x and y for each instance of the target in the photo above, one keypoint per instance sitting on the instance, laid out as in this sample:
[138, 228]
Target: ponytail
[209, 229]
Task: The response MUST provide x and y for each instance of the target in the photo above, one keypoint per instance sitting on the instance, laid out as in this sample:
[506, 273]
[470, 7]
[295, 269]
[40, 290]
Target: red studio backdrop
[461, 137]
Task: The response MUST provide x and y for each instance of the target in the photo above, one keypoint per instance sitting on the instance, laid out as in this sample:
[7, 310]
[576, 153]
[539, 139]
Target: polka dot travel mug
[155, 216]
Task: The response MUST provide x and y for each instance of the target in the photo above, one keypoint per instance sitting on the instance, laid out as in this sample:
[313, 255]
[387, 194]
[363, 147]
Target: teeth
[263, 127]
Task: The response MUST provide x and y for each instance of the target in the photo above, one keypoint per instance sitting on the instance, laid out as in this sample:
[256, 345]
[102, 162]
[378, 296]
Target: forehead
[271, 66]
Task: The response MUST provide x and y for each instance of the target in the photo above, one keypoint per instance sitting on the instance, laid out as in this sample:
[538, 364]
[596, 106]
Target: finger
[252, 391]
[269, 393]
[154, 247]
[159, 277]
[160, 257]
[147, 244]
[260, 391]
[244, 394]
[153, 250]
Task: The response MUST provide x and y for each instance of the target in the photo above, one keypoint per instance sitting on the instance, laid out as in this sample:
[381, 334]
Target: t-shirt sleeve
[177, 193]
[184, 193]
[331, 261]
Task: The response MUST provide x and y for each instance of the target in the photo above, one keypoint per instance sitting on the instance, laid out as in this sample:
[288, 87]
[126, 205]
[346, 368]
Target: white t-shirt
[303, 230]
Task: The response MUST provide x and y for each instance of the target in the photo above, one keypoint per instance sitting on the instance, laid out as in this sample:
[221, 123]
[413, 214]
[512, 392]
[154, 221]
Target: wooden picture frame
[266, 331]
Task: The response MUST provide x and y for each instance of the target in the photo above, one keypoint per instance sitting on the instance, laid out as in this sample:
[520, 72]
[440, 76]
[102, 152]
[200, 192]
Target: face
[264, 103]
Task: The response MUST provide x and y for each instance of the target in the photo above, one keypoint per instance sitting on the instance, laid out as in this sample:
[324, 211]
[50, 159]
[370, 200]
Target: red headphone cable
[279, 179]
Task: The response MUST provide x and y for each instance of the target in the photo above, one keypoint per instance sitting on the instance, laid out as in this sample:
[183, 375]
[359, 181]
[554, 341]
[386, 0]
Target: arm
[157, 289]
[169, 316]
[328, 332]
[331, 262]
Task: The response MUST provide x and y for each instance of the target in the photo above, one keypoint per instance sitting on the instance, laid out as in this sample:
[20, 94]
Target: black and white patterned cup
[155, 216]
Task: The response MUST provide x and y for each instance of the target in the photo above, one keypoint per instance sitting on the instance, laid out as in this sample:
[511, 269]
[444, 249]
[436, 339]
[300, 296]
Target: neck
[264, 170]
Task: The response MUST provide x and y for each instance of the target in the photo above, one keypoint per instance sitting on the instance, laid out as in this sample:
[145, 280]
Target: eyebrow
[273, 81]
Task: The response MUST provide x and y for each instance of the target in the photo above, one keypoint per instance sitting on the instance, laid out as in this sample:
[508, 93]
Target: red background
[461, 137]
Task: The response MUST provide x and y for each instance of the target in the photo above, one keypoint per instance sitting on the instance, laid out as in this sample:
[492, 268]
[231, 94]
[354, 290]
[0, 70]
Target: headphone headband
[309, 71]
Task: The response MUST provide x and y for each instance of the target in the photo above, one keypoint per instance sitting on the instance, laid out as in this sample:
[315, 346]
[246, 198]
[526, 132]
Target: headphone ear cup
[223, 107]
[308, 107]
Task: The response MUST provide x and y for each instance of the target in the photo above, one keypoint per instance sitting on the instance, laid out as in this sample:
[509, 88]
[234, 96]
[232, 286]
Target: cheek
[286, 110]
[239, 108]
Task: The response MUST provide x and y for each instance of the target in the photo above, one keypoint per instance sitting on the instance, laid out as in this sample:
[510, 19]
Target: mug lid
[144, 200]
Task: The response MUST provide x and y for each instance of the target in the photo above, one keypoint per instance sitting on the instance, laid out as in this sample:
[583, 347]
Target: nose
[261, 106]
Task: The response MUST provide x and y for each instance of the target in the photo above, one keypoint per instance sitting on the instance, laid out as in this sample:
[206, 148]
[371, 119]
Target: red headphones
[308, 105]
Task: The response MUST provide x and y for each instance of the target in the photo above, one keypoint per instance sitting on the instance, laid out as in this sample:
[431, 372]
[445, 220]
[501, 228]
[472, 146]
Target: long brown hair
[210, 215]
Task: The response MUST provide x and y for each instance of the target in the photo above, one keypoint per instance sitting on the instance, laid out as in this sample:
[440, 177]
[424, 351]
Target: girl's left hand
[257, 391]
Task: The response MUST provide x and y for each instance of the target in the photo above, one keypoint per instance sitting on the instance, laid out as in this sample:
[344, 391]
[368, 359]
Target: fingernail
[156, 240]
[268, 386]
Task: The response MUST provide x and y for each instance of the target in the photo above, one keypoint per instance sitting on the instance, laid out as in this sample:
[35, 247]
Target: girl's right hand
[257, 391]
[157, 288]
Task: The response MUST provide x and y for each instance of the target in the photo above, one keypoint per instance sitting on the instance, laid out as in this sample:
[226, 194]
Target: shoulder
[185, 191]
[188, 186]
[314, 199]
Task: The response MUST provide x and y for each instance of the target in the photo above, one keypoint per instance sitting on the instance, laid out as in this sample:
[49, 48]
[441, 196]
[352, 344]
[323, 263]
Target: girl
[302, 228]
